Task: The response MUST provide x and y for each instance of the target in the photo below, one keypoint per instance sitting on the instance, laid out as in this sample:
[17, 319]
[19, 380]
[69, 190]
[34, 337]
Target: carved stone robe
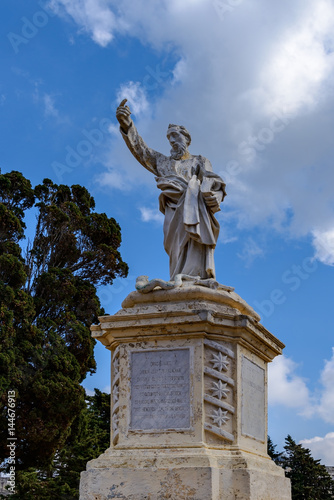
[190, 228]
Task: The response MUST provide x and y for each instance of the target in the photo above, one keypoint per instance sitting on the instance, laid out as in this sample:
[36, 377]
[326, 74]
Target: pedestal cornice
[190, 311]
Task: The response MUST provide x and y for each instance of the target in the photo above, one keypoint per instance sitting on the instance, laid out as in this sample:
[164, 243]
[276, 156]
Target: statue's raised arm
[191, 195]
[145, 155]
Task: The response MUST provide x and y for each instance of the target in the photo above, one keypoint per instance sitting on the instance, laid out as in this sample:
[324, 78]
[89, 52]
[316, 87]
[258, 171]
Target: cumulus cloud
[90, 392]
[93, 16]
[301, 62]
[262, 101]
[136, 96]
[325, 409]
[48, 103]
[149, 214]
[288, 389]
[322, 448]
[285, 386]
[49, 106]
[250, 251]
[323, 243]
[113, 178]
[114, 129]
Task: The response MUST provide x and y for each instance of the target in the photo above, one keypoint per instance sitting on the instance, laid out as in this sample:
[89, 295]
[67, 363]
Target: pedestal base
[183, 474]
[189, 400]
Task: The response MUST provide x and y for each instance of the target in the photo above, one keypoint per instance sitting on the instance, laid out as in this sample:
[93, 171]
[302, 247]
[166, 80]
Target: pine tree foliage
[309, 479]
[48, 301]
[271, 450]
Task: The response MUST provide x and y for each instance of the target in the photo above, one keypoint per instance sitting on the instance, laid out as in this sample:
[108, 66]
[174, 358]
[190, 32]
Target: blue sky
[253, 82]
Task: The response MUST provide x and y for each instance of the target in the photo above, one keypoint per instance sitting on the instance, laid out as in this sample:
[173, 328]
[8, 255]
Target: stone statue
[191, 194]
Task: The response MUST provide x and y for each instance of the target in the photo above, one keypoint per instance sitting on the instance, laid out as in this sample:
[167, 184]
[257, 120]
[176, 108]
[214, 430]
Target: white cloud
[285, 386]
[90, 392]
[114, 129]
[322, 448]
[288, 389]
[225, 238]
[325, 409]
[48, 103]
[229, 91]
[179, 70]
[300, 64]
[93, 16]
[323, 243]
[49, 106]
[149, 214]
[136, 96]
[250, 251]
[114, 179]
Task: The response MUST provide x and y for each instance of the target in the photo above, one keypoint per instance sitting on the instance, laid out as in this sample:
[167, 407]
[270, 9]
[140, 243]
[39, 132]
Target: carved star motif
[115, 393]
[219, 389]
[116, 366]
[219, 361]
[219, 417]
[115, 420]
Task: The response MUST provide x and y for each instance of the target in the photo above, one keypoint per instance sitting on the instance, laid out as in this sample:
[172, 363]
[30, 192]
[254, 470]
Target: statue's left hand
[213, 200]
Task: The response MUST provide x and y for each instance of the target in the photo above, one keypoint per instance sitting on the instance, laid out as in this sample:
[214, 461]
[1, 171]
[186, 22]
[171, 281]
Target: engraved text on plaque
[253, 400]
[160, 389]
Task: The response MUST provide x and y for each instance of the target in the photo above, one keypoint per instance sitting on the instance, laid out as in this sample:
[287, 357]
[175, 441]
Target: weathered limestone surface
[191, 194]
[189, 400]
[184, 474]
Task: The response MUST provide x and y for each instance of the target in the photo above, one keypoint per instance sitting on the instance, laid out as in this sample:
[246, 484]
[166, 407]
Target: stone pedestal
[189, 400]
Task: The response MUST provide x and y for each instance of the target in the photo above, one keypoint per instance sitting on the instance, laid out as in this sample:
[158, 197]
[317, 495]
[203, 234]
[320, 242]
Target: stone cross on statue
[191, 194]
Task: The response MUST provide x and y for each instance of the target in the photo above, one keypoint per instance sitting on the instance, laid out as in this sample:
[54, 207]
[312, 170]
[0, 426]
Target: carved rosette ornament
[115, 397]
[219, 384]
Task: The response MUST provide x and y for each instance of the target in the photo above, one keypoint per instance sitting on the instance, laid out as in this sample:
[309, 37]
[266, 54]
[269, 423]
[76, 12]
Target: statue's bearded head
[179, 138]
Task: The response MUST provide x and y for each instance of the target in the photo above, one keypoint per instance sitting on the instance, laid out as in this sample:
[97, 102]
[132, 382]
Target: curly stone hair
[181, 129]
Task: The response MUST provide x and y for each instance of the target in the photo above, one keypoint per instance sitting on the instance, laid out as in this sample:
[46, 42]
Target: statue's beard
[178, 150]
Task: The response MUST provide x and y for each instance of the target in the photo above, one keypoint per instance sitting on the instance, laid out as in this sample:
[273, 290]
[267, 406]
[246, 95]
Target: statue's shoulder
[204, 162]
[200, 158]
[164, 165]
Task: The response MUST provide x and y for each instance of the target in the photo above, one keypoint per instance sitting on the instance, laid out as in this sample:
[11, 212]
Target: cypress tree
[48, 301]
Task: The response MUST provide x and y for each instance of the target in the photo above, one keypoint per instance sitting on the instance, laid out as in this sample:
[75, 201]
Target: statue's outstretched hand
[123, 116]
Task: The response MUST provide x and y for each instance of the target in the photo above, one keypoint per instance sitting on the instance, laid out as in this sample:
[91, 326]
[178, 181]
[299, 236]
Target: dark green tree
[16, 196]
[48, 302]
[309, 479]
[271, 450]
[89, 437]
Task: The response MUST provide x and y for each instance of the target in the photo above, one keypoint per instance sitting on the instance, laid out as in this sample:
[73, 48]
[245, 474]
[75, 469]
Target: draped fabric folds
[191, 194]
[190, 229]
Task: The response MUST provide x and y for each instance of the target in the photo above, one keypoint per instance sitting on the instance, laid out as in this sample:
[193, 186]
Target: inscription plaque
[253, 400]
[160, 389]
